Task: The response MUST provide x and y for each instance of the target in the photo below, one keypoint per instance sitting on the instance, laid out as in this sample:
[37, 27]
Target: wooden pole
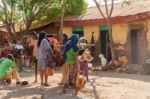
[62, 17]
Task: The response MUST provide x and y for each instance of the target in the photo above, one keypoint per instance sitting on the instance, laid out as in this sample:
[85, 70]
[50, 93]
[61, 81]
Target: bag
[49, 71]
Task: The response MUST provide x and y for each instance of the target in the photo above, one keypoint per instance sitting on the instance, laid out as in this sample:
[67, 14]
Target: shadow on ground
[138, 77]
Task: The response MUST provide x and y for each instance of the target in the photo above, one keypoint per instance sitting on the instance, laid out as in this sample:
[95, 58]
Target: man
[33, 43]
[8, 69]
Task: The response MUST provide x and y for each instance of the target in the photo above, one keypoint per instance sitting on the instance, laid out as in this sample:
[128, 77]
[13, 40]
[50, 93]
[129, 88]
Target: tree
[107, 17]
[40, 10]
[33, 10]
[72, 7]
[9, 15]
[62, 17]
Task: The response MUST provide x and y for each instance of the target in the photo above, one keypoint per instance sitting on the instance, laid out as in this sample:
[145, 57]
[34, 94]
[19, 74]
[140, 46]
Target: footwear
[35, 81]
[25, 82]
[60, 84]
[45, 84]
[8, 81]
[42, 84]
[17, 83]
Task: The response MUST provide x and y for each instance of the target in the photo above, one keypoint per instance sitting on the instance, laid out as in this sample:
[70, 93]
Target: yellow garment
[63, 74]
[123, 60]
[80, 83]
[12, 74]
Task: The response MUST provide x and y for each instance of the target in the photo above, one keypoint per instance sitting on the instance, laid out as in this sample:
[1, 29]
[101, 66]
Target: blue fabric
[71, 43]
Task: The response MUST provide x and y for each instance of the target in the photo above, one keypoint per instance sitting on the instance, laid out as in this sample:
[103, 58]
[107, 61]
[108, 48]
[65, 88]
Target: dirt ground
[102, 85]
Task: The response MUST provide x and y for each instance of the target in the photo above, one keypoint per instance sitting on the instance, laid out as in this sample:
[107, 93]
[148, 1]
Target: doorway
[134, 46]
[78, 30]
[138, 46]
[104, 42]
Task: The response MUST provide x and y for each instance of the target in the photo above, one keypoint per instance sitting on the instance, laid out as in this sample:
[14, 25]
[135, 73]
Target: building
[130, 29]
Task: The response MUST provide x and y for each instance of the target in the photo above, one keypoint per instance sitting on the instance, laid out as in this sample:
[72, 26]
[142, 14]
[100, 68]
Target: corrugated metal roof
[134, 8]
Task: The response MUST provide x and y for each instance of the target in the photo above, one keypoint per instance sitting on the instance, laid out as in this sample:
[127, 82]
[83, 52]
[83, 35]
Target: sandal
[42, 84]
[45, 84]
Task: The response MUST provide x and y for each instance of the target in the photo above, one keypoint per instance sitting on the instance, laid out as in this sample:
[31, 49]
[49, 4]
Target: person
[33, 43]
[103, 61]
[84, 59]
[82, 43]
[121, 63]
[122, 60]
[8, 69]
[44, 56]
[70, 55]
[64, 39]
[80, 82]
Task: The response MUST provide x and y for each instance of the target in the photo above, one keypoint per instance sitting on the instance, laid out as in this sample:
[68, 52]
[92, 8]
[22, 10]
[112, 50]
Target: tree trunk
[62, 17]
[28, 26]
[111, 40]
[10, 34]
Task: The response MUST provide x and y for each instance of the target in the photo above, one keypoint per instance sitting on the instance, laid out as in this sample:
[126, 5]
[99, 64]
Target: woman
[71, 67]
[8, 69]
[64, 39]
[44, 54]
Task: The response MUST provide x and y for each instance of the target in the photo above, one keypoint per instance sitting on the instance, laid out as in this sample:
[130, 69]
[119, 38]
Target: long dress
[71, 67]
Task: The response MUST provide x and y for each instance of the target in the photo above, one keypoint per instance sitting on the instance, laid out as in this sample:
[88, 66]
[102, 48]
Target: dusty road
[102, 85]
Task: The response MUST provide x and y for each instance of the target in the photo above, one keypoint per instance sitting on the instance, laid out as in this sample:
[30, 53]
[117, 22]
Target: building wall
[88, 32]
[121, 37]
[49, 29]
[67, 30]
[119, 33]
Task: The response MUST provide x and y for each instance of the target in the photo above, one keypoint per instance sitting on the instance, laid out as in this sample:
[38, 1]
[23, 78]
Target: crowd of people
[38, 51]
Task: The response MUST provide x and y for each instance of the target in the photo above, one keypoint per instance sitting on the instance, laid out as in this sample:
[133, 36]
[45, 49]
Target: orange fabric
[49, 71]
[123, 60]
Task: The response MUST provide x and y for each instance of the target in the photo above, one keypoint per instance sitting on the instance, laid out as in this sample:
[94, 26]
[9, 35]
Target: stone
[146, 69]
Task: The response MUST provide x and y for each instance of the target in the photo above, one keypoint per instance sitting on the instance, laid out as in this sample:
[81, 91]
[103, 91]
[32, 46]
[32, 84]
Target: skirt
[71, 74]
[42, 64]
[84, 68]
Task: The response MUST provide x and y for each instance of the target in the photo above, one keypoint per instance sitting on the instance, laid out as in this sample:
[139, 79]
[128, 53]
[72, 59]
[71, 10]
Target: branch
[98, 6]
[106, 7]
[111, 10]
[42, 8]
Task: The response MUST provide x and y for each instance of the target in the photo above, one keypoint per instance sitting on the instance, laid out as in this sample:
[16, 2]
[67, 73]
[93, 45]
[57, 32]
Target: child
[84, 58]
[80, 83]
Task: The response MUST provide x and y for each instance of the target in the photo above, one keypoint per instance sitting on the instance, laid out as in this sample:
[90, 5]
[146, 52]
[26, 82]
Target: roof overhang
[113, 20]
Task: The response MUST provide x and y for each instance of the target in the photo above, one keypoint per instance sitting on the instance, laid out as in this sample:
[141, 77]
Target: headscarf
[65, 36]
[71, 43]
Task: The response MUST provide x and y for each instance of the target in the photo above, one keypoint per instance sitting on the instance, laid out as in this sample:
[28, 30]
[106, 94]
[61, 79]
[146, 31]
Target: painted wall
[119, 33]
[88, 32]
[67, 30]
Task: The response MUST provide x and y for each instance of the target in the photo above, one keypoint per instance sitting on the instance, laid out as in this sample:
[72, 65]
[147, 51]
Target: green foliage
[32, 10]
[71, 8]
[75, 7]
[8, 11]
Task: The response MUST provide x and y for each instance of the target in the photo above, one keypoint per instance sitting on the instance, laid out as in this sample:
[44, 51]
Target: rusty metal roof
[135, 7]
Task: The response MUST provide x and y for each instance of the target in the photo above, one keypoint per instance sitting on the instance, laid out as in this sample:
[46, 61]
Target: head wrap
[71, 43]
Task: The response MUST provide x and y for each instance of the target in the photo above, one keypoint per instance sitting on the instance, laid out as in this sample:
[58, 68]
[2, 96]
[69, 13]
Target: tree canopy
[28, 11]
